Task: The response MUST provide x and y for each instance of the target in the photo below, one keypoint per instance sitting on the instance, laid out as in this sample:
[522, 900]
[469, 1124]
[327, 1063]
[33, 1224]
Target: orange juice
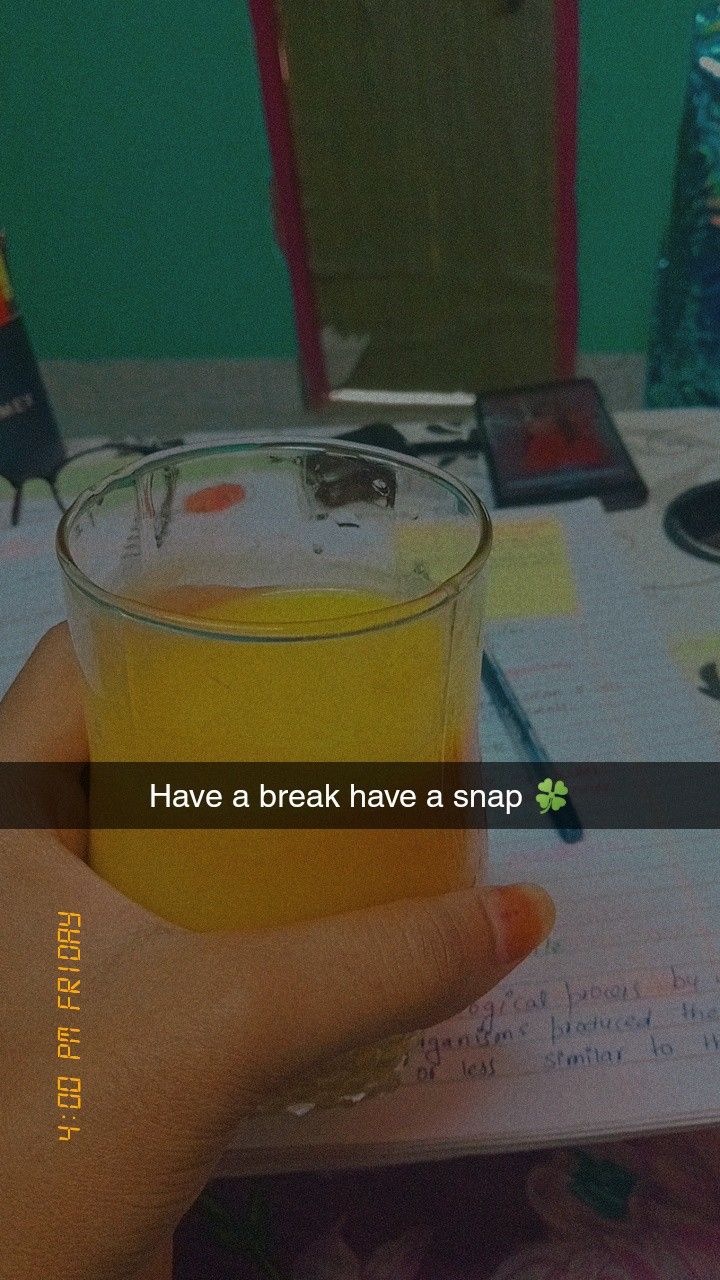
[283, 602]
[344, 689]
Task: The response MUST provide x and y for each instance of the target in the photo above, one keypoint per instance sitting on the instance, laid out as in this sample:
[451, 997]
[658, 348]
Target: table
[477, 1203]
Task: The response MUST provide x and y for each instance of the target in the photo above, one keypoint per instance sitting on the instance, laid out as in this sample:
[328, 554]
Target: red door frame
[288, 202]
[287, 199]
[567, 92]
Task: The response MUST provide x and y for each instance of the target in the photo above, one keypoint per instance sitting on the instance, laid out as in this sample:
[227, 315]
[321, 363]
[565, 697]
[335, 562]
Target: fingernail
[522, 916]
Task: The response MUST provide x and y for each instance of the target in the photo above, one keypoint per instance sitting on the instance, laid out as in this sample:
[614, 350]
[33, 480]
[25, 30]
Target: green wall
[134, 181]
[634, 63]
[134, 175]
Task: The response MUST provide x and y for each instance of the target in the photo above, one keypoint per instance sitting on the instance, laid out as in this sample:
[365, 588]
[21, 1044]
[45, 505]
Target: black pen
[523, 734]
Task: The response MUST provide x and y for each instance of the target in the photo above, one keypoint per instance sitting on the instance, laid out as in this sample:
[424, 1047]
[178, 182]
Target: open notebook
[614, 1027]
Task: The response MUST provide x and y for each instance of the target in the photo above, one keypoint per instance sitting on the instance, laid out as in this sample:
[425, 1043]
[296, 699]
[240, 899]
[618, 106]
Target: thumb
[311, 991]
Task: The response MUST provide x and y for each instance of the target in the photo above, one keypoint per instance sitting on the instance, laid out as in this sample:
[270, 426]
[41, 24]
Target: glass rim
[344, 625]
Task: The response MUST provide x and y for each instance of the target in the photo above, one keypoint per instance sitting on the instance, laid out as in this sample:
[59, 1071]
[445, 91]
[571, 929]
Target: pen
[522, 732]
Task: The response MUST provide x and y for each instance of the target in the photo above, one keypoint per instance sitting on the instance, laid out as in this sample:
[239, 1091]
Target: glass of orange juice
[291, 602]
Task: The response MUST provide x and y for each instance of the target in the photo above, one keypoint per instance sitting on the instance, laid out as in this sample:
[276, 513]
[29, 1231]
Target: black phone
[557, 442]
[30, 442]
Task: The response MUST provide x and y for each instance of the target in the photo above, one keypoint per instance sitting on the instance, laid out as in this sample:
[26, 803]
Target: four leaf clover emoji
[551, 795]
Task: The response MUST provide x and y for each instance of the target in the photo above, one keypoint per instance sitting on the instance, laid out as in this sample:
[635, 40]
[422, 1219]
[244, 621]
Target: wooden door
[426, 144]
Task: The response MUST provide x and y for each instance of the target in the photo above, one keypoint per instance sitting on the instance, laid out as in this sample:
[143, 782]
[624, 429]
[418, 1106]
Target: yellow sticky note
[531, 574]
[434, 549]
[5, 286]
[695, 655]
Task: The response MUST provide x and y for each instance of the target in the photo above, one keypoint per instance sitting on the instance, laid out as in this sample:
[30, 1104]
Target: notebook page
[596, 678]
[610, 1030]
[613, 1026]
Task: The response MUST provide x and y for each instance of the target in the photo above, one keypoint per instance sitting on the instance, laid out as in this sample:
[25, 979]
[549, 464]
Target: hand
[181, 1031]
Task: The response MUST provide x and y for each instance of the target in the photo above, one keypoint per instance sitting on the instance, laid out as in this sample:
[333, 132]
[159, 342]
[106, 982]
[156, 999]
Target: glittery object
[684, 354]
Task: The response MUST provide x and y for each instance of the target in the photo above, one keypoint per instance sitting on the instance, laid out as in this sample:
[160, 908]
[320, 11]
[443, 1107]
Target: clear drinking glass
[280, 602]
